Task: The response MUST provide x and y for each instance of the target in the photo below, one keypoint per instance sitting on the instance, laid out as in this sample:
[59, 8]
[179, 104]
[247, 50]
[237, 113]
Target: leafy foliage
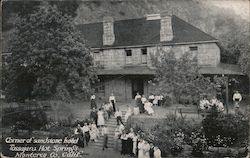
[244, 61]
[49, 58]
[24, 119]
[198, 142]
[177, 77]
[226, 130]
[24, 8]
[171, 135]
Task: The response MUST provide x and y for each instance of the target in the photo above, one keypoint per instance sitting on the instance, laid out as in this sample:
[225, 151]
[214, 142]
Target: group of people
[104, 112]
[86, 133]
[206, 105]
[145, 105]
[130, 143]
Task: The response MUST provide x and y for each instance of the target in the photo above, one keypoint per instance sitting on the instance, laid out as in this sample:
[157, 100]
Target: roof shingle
[134, 32]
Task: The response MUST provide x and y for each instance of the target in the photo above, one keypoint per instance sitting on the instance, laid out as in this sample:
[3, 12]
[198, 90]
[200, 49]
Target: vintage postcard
[125, 78]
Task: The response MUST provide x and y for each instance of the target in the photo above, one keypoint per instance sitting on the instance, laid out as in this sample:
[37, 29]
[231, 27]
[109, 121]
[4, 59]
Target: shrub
[226, 130]
[171, 135]
[198, 143]
[24, 119]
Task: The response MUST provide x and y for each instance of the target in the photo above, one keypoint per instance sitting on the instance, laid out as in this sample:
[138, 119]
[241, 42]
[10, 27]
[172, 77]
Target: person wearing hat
[131, 135]
[237, 98]
[93, 102]
[79, 134]
[112, 101]
[85, 130]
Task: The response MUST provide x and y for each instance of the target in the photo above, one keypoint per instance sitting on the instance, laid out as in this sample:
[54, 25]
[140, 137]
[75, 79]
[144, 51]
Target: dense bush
[226, 130]
[30, 119]
[198, 142]
[172, 133]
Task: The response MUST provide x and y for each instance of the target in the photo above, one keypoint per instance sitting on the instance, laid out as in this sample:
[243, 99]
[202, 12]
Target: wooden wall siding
[128, 90]
[145, 86]
[120, 88]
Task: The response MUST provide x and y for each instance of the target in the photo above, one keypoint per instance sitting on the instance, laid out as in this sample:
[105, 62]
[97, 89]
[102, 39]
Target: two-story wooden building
[122, 51]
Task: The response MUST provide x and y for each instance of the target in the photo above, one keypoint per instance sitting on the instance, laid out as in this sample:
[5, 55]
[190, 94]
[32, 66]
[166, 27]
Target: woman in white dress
[140, 149]
[148, 107]
[100, 118]
[146, 148]
[135, 139]
[157, 152]
[128, 113]
[94, 132]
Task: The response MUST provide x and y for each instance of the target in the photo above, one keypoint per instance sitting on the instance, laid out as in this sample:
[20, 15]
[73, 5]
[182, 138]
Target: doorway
[137, 86]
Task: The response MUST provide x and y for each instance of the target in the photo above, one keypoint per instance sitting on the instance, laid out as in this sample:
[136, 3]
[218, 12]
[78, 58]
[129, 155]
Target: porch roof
[222, 68]
[128, 70]
[226, 69]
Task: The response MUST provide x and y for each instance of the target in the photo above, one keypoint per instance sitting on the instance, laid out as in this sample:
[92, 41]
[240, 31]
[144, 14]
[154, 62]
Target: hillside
[221, 22]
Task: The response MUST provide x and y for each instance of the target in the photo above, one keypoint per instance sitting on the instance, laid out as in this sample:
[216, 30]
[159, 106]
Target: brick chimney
[108, 31]
[166, 32]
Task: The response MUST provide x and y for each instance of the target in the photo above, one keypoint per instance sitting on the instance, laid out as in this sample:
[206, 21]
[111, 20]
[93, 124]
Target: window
[144, 51]
[193, 48]
[128, 52]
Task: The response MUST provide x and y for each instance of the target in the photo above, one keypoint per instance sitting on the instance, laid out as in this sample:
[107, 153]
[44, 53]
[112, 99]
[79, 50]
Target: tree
[180, 77]
[23, 8]
[244, 60]
[49, 58]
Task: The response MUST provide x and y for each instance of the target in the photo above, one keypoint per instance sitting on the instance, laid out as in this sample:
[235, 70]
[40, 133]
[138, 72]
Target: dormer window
[193, 48]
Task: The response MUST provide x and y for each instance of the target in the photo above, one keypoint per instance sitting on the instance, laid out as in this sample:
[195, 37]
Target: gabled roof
[136, 32]
[222, 68]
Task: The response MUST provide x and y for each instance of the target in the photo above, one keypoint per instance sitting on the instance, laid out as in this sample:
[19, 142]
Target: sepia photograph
[125, 78]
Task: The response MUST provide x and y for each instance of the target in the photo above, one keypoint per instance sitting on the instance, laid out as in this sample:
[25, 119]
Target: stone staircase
[111, 124]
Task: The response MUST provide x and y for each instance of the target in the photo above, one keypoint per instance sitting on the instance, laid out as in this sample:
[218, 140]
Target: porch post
[227, 93]
[226, 84]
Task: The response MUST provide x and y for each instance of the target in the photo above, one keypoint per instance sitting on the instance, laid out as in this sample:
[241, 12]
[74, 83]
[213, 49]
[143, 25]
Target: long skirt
[141, 108]
[124, 147]
[138, 101]
[106, 116]
[87, 137]
[80, 142]
[93, 135]
[130, 146]
[105, 141]
[135, 147]
[113, 104]
[100, 120]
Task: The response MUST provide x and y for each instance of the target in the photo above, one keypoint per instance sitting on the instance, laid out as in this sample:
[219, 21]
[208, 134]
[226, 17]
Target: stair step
[101, 143]
[100, 148]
